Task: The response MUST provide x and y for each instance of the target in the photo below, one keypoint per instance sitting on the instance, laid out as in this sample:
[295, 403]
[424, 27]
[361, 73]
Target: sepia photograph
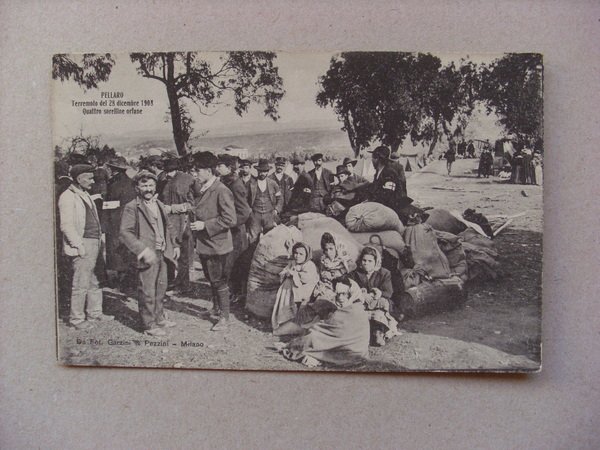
[257, 210]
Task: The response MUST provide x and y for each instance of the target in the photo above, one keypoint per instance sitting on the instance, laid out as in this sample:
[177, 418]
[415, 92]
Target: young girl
[298, 281]
[334, 263]
[376, 283]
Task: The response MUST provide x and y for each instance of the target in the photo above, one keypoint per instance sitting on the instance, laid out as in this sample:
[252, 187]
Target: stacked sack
[270, 258]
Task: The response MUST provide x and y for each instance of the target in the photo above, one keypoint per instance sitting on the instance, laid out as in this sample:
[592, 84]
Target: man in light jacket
[82, 233]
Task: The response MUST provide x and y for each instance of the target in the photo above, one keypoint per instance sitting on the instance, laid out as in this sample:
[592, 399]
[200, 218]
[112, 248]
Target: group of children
[308, 294]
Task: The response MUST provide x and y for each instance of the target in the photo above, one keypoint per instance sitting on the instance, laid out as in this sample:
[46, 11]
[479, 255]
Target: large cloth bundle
[481, 255]
[371, 216]
[271, 256]
[444, 220]
[392, 240]
[452, 247]
[426, 253]
[431, 297]
[313, 225]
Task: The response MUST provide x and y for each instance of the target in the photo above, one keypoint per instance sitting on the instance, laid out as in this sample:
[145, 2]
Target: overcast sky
[299, 71]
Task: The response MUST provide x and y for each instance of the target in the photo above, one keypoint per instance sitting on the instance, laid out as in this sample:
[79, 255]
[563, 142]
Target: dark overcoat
[119, 188]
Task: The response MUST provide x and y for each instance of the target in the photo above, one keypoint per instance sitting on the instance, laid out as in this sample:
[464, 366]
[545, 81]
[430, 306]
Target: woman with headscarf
[298, 281]
[376, 284]
[342, 338]
[334, 263]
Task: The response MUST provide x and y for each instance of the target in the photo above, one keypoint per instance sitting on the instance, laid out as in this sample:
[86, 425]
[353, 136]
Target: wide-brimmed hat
[118, 162]
[341, 170]
[263, 165]
[316, 156]
[280, 161]
[349, 161]
[78, 169]
[145, 174]
[381, 152]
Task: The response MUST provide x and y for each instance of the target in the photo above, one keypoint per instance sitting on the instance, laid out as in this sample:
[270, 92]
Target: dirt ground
[499, 328]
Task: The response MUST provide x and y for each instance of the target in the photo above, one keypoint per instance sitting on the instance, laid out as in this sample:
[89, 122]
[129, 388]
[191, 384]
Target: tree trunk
[432, 144]
[351, 135]
[178, 135]
[395, 146]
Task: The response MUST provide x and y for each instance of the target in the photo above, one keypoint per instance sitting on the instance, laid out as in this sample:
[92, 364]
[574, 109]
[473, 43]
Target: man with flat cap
[178, 194]
[321, 179]
[148, 234]
[266, 201]
[213, 216]
[283, 180]
[120, 190]
[225, 169]
[301, 192]
[82, 233]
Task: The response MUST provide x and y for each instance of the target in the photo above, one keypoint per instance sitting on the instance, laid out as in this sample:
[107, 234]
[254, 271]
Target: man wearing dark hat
[347, 190]
[214, 215]
[300, 198]
[321, 179]
[82, 232]
[225, 169]
[155, 164]
[396, 166]
[120, 190]
[148, 234]
[266, 202]
[386, 183]
[283, 180]
[350, 164]
[178, 194]
[245, 172]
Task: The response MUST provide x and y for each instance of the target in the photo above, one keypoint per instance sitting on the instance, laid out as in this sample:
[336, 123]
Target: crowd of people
[140, 234]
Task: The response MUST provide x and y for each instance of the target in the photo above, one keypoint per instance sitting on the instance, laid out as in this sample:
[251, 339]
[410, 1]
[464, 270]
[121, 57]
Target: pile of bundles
[430, 262]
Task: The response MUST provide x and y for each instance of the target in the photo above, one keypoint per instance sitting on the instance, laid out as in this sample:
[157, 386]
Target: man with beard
[214, 215]
[120, 190]
[283, 180]
[266, 202]
[177, 194]
[321, 179]
[225, 169]
[80, 226]
[245, 171]
[148, 234]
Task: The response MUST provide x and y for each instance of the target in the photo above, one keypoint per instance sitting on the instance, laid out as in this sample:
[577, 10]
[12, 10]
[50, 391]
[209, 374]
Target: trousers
[86, 295]
[217, 269]
[152, 286]
[260, 223]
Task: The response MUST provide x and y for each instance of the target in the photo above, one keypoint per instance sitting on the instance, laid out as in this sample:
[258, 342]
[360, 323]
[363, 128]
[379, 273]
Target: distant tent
[236, 150]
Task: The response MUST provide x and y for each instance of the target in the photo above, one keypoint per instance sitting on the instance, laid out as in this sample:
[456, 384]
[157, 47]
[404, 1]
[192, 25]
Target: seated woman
[342, 338]
[298, 282]
[334, 263]
[376, 284]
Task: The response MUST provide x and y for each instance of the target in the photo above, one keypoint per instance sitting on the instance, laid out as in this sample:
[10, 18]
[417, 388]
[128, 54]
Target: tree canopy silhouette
[88, 73]
[237, 79]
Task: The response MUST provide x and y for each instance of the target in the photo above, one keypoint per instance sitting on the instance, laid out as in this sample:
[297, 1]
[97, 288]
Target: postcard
[257, 210]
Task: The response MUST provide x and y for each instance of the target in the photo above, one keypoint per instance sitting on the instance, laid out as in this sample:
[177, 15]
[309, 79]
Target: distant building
[236, 150]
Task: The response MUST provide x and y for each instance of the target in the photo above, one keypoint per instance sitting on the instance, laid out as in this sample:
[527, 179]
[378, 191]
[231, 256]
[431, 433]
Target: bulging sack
[444, 220]
[426, 252]
[390, 239]
[271, 256]
[372, 216]
[313, 225]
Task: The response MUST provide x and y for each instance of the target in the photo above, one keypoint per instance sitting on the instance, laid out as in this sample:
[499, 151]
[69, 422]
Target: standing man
[245, 170]
[80, 225]
[147, 233]
[386, 185]
[300, 198]
[266, 202]
[120, 190]
[350, 164]
[283, 180]
[321, 179]
[396, 166]
[214, 215]
[225, 169]
[178, 194]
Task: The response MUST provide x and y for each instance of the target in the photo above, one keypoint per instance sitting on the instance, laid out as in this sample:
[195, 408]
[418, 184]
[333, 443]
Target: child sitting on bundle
[334, 263]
